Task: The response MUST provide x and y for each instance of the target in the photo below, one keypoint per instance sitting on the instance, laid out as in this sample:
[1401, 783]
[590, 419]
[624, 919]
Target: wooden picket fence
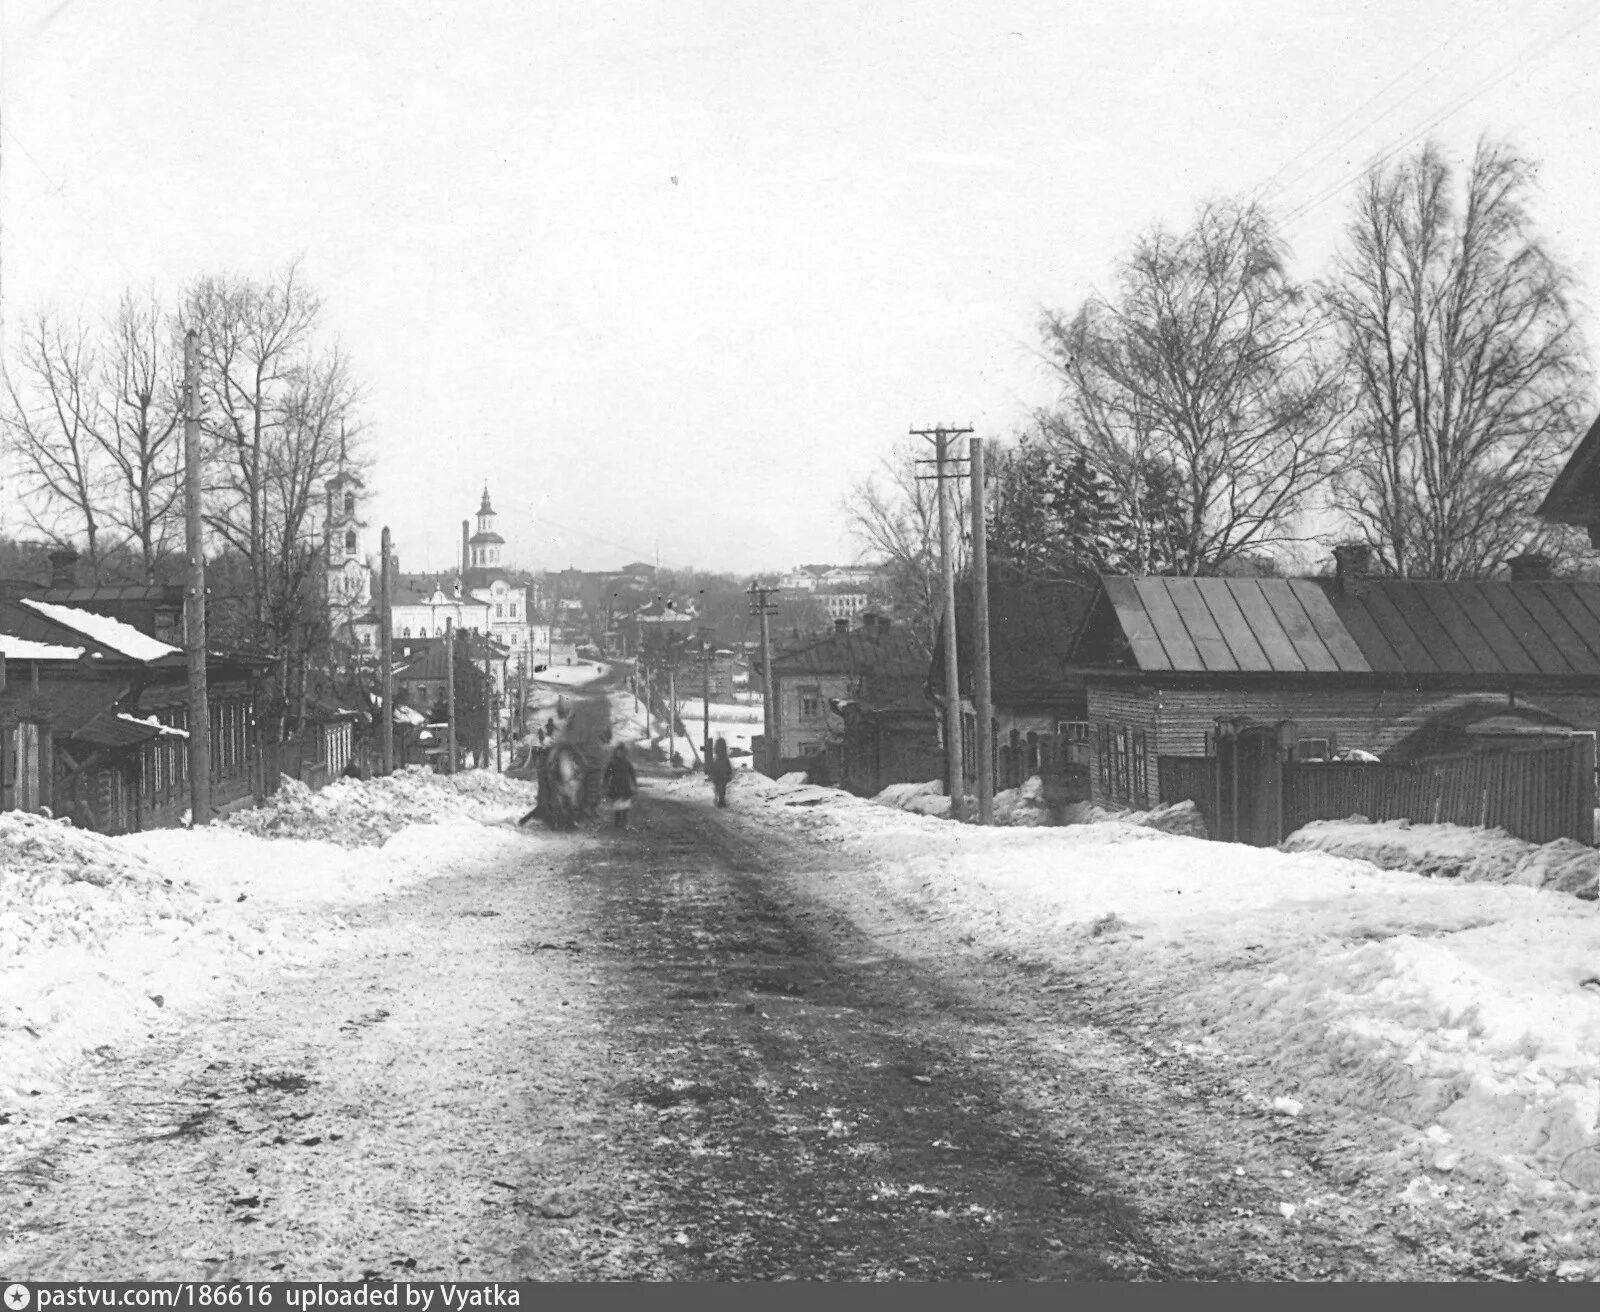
[1539, 793]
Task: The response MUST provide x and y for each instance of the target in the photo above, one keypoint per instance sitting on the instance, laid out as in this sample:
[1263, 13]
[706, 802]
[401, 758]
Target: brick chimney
[63, 569]
[1530, 567]
[1352, 562]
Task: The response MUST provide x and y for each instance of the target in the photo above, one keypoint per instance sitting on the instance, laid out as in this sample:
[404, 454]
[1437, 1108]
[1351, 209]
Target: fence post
[1585, 816]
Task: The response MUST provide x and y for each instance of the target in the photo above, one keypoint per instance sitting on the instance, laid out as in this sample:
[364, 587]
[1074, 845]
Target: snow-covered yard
[1465, 1014]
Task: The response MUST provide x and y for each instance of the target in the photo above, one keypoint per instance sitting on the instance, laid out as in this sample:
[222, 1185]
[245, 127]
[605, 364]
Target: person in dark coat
[619, 782]
[720, 772]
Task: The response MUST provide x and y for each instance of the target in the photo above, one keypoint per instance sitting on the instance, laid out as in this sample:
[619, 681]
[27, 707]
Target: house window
[499, 611]
[407, 634]
[1122, 765]
[350, 540]
[513, 610]
[810, 703]
[349, 503]
[1314, 749]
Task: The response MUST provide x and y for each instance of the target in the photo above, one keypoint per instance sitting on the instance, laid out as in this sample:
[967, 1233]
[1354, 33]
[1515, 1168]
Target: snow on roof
[25, 649]
[165, 730]
[102, 629]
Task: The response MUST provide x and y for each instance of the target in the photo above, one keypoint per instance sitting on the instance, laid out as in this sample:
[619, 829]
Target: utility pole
[450, 693]
[195, 629]
[941, 437]
[488, 710]
[386, 657]
[759, 605]
[672, 710]
[706, 651]
[982, 702]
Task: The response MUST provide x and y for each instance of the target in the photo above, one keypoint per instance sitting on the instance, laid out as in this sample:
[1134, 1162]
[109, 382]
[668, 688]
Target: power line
[1376, 161]
[1370, 100]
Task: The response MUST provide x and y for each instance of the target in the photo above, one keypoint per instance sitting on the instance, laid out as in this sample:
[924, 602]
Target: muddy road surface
[659, 1053]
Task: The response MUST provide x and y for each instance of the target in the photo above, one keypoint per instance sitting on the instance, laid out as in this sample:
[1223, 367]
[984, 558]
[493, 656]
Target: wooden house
[875, 665]
[111, 724]
[1038, 703]
[1352, 661]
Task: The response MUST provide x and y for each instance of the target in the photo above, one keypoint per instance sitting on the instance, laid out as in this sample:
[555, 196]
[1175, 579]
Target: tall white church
[478, 594]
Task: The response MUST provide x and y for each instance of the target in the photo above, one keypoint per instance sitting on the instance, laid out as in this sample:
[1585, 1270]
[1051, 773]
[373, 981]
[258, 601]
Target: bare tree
[894, 514]
[142, 433]
[279, 408]
[1470, 374]
[1202, 381]
[253, 340]
[51, 416]
[94, 416]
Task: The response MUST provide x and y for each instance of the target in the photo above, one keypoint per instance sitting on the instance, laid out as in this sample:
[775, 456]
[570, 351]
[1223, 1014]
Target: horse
[561, 787]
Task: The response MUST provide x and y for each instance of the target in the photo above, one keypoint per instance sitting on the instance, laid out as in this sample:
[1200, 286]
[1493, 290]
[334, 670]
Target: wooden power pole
[195, 611]
[759, 605]
[386, 658]
[947, 562]
[983, 748]
[450, 694]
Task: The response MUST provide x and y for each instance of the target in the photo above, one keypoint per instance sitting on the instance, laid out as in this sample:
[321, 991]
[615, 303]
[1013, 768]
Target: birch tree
[1202, 380]
[1471, 380]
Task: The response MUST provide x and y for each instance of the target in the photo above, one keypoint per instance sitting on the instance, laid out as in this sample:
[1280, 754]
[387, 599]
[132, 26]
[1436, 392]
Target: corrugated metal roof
[1233, 626]
[1478, 626]
[1398, 626]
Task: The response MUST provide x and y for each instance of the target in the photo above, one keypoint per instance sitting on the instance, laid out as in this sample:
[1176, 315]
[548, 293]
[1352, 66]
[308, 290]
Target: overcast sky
[669, 276]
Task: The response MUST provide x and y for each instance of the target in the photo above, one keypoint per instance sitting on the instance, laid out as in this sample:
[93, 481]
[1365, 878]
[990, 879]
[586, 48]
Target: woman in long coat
[720, 771]
[619, 782]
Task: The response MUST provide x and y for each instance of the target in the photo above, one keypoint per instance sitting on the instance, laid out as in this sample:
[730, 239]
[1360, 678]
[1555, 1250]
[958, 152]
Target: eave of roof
[1574, 495]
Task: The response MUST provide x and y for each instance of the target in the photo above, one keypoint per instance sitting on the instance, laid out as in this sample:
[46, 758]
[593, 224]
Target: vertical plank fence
[1537, 793]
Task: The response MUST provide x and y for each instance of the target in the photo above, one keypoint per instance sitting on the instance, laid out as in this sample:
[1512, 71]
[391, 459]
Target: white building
[507, 620]
[842, 605]
[347, 571]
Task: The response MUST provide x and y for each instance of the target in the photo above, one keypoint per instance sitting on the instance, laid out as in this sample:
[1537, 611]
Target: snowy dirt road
[683, 1050]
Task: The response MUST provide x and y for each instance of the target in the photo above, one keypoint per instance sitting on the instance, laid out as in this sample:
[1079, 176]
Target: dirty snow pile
[104, 942]
[1468, 1013]
[366, 812]
[1025, 807]
[89, 934]
[1455, 851]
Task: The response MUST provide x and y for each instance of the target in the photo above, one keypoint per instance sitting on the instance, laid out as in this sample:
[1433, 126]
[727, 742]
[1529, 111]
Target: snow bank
[1455, 851]
[365, 812]
[106, 941]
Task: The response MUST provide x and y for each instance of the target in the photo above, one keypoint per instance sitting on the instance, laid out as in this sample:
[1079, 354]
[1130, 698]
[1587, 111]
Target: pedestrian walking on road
[720, 771]
[619, 782]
